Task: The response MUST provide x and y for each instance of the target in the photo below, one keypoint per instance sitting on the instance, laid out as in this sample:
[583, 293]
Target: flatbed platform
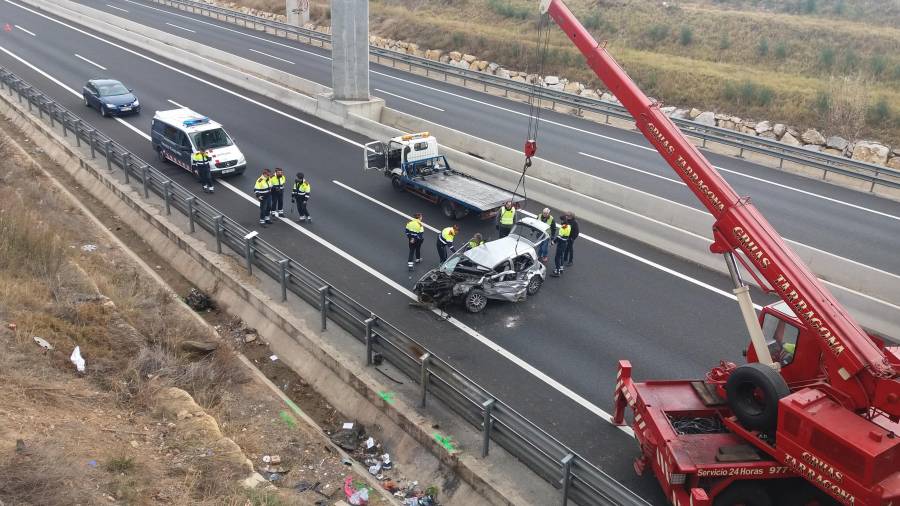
[477, 194]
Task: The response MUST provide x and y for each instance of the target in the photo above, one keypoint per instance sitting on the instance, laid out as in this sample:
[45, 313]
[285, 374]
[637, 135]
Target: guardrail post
[126, 164]
[62, 121]
[49, 111]
[284, 278]
[167, 188]
[323, 301]
[423, 377]
[109, 155]
[190, 204]
[487, 425]
[144, 181]
[77, 131]
[567, 477]
[741, 154]
[40, 107]
[219, 221]
[28, 98]
[248, 253]
[91, 134]
[370, 338]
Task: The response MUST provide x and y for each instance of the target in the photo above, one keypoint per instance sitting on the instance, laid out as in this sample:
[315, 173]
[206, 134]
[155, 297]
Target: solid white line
[101, 67]
[220, 27]
[559, 387]
[181, 28]
[382, 204]
[26, 31]
[116, 8]
[270, 56]
[409, 100]
[632, 168]
[176, 104]
[563, 125]
[200, 79]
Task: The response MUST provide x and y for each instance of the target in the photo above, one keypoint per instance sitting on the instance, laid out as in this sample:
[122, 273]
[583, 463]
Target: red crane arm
[739, 225]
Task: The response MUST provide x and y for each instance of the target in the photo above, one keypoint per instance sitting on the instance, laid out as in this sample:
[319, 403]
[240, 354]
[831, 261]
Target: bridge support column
[350, 49]
[297, 12]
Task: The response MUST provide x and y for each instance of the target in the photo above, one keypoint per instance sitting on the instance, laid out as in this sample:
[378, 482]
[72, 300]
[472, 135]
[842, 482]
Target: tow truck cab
[407, 156]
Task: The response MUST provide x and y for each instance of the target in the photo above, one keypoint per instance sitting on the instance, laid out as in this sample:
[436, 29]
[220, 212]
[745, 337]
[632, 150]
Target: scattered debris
[357, 493]
[88, 248]
[348, 437]
[272, 459]
[77, 359]
[250, 337]
[199, 301]
[387, 396]
[199, 346]
[273, 358]
[11, 326]
[43, 343]
[92, 463]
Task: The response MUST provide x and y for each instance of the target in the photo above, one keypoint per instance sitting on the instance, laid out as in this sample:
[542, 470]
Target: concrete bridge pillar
[297, 12]
[350, 49]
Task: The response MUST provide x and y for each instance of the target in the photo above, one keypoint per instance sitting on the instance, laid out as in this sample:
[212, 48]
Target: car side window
[171, 133]
[184, 141]
[90, 89]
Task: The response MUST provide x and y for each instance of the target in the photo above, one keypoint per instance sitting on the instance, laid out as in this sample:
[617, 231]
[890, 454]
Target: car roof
[490, 254]
[178, 117]
[104, 81]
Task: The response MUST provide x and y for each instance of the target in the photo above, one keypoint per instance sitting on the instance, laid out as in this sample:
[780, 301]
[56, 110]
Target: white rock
[790, 140]
[680, 114]
[870, 152]
[455, 55]
[504, 74]
[763, 126]
[812, 147]
[832, 151]
[592, 94]
[468, 58]
[748, 130]
[551, 80]
[668, 110]
[705, 118]
[836, 142]
[812, 136]
[444, 58]
[694, 112]
[894, 163]
[492, 67]
[779, 129]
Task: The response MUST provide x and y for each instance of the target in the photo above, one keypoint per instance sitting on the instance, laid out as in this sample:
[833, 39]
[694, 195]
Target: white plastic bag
[77, 359]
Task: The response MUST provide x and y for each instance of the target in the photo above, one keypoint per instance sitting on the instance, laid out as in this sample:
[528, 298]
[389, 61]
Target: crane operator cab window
[781, 337]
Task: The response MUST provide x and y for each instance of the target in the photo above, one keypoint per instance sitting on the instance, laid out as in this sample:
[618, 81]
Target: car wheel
[86, 103]
[534, 284]
[103, 111]
[160, 156]
[476, 301]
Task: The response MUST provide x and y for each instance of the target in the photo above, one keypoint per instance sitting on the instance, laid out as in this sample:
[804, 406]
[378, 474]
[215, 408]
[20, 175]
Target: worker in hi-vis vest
[445, 242]
[415, 234]
[506, 218]
[263, 191]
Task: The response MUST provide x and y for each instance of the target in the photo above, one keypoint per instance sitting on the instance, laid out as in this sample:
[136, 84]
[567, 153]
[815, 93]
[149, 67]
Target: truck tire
[476, 301]
[744, 493]
[753, 393]
[448, 209]
[397, 184]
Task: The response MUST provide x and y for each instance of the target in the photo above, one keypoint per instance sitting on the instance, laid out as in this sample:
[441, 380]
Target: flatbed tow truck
[813, 417]
[413, 164]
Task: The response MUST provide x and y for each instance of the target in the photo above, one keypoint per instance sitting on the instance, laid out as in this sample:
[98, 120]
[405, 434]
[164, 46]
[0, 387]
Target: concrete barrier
[872, 295]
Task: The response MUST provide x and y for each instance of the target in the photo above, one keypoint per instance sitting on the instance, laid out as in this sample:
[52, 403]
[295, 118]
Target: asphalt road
[847, 223]
[620, 300]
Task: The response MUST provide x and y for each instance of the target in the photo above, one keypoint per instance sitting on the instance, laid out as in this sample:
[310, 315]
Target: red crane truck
[813, 416]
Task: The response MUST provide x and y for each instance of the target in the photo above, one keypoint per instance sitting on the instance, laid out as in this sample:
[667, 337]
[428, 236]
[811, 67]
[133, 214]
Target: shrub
[724, 42]
[878, 113]
[809, 6]
[657, 33]
[686, 37]
[851, 61]
[781, 51]
[748, 94]
[593, 21]
[826, 58]
[762, 49]
[506, 9]
[877, 65]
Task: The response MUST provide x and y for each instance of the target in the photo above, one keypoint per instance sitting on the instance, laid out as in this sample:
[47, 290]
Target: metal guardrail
[578, 479]
[871, 173]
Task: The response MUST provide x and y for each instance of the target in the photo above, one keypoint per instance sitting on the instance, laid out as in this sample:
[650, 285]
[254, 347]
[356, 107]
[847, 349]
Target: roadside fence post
[219, 222]
[370, 338]
[126, 164]
[167, 196]
[91, 133]
[567, 477]
[190, 204]
[423, 378]
[284, 278]
[248, 251]
[145, 182]
[63, 121]
[77, 131]
[40, 107]
[323, 301]
[28, 98]
[487, 425]
[109, 155]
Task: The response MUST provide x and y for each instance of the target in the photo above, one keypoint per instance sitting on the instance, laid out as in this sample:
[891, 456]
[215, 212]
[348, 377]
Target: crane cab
[790, 343]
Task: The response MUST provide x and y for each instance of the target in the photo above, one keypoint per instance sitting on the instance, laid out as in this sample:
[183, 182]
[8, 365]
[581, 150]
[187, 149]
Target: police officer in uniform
[300, 195]
[506, 218]
[562, 244]
[263, 191]
[277, 184]
[200, 161]
[415, 234]
[445, 241]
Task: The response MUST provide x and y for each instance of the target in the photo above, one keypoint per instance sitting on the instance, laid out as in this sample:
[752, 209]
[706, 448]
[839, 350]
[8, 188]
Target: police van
[179, 133]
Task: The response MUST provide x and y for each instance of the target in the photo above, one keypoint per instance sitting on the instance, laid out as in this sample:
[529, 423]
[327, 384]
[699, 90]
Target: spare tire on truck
[753, 393]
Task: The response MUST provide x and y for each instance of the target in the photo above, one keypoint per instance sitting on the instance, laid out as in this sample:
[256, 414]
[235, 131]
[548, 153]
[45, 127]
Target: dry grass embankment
[754, 58]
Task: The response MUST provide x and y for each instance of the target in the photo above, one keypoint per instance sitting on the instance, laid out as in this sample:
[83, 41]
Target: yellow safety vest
[302, 188]
[277, 181]
[415, 226]
[507, 216]
[448, 235]
[262, 184]
[564, 231]
[474, 244]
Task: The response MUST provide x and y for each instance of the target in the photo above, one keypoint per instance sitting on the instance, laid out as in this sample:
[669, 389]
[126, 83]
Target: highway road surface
[553, 357]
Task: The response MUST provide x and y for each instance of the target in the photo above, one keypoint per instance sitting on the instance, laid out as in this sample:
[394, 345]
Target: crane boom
[739, 226]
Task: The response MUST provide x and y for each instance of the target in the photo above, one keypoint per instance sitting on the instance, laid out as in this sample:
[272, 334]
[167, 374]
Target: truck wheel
[744, 493]
[534, 284]
[397, 184]
[799, 492]
[448, 209]
[476, 300]
[753, 394]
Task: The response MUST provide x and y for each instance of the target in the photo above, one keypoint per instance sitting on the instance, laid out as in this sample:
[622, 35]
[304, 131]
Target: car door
[90, 93]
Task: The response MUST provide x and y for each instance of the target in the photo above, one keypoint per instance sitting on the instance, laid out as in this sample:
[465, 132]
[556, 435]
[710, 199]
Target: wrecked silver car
[505, 269]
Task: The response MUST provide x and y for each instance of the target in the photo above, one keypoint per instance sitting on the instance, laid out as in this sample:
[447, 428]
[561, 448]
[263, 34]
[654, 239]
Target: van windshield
[211, 139]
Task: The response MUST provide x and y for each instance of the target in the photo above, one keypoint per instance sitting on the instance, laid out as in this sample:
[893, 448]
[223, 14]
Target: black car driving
[110, 97]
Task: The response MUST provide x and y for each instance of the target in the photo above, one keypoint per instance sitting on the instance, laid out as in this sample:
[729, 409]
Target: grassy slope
[763, 59]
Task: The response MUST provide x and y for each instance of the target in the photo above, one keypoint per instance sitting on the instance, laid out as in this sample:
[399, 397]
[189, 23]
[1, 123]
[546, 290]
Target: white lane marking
[101, 67]
[181, 28]
[200, 79]
[220, 27]
[116, 8]
[559, 387]
[29, 32]
[598, 242]
[176, 104]
[382, 204]
[409, 99]
[595, 134]
[647, 148]
[270, 56]
[632, 168]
